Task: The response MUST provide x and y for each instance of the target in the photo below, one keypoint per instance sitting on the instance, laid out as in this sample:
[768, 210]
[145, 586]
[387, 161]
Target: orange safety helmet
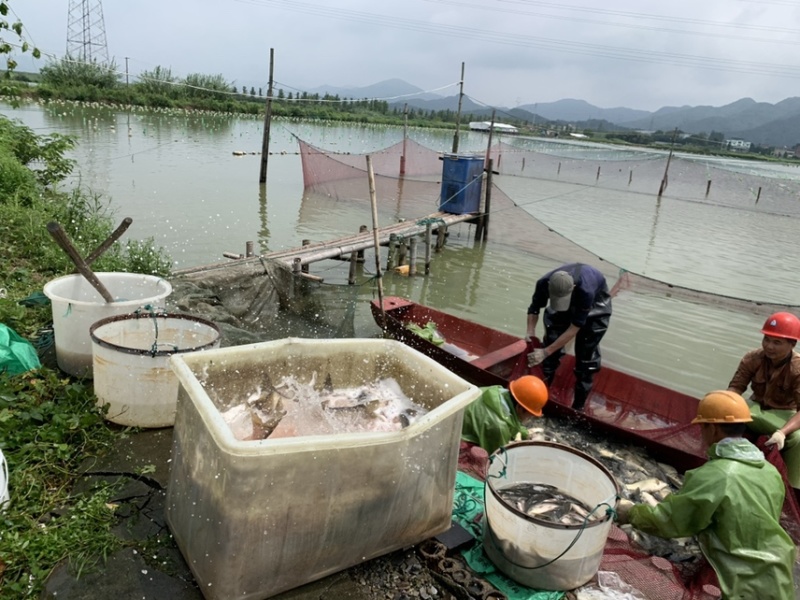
[782, 325]
[722, 406]
[530, 392]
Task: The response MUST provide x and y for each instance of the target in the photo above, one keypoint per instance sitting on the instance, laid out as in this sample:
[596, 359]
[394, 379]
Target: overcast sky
[639, 54]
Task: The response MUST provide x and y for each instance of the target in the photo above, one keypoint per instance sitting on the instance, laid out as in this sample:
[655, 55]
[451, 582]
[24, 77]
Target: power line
[567, 46]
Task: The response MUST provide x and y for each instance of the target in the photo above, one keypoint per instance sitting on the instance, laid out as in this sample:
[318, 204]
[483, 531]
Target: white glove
[777, 439]
[536, 357]
[623, 509]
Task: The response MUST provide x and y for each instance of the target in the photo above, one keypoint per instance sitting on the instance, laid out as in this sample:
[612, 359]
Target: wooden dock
[299, 258]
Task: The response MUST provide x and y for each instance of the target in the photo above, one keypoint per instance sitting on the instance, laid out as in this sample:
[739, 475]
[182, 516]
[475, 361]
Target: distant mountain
[580, 110]
[758, 122]
[391, 88]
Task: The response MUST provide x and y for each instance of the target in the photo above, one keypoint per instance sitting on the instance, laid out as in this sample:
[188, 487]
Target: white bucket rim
[569, 449]
[48, 288]
[139, 351]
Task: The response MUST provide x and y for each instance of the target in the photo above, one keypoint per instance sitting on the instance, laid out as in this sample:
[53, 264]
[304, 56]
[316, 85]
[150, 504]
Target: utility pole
[126, 71]
[458, 114]
[262, 178]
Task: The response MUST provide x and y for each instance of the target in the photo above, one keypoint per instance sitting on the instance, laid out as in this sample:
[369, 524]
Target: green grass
[49, 423]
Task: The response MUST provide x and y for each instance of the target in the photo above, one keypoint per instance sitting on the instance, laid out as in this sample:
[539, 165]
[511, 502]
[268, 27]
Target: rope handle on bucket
[503, 472]
[153, 312]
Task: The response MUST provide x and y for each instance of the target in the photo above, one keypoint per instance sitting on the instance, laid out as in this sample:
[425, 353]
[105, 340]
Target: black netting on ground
[260, 300]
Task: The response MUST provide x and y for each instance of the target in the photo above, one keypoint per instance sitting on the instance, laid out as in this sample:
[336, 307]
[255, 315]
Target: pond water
[177, 177]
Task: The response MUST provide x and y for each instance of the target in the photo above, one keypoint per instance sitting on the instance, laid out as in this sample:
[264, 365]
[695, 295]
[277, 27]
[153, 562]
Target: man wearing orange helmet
[773, 374]
[495, 419]
[732, 504]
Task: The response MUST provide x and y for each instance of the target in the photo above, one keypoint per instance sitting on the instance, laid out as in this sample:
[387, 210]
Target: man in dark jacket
[580, 309]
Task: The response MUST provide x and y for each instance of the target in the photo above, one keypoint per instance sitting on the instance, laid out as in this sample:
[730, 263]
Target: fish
[651, 484]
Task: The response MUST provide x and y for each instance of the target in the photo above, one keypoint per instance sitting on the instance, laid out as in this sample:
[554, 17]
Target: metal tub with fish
[295, 459]
[548, 514]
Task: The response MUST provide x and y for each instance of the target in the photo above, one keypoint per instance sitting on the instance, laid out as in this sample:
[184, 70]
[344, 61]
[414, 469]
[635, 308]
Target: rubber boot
[579, 397]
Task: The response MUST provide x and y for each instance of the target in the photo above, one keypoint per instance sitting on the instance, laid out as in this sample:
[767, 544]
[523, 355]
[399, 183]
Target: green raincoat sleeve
[491, 421]
[733, 505]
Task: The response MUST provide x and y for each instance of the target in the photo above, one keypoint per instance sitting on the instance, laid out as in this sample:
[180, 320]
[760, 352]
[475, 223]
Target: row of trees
[77, 80]
[702, 143]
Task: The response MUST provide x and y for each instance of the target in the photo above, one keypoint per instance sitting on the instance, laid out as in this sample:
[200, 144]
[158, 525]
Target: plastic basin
[535, 552]
[131, 363]
[77, 305]
[256, 518]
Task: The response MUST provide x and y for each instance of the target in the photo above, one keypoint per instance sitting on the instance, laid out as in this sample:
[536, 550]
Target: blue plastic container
[462, 181]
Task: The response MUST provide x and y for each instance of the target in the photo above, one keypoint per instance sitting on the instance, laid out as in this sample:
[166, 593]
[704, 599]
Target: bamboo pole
[373, 198]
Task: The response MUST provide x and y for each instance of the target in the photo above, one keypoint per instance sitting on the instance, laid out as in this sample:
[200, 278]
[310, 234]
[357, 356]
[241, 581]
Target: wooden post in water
[351, 277]
[360, 258]
[405, 137]
[559, 168]
[402, 248]
[664, 180]
[305, 266]
[487, 162]
[412, 256]
[392, 251]
[708, 187]
[630, 176]
[597, 177]
[458, 114]
[487, 207]
[262, 178]
[373, 197]
[428, 240]
[441, 234]
[758, 196]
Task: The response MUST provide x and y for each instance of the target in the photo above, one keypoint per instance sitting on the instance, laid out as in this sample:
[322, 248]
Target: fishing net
[344, 176]
[254, 300]
[644, 173]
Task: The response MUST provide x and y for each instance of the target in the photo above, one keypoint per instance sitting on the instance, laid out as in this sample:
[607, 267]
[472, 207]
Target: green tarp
[468, 510]
[17, 355]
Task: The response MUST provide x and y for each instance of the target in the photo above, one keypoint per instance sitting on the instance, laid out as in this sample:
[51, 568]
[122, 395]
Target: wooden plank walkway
[346, 245]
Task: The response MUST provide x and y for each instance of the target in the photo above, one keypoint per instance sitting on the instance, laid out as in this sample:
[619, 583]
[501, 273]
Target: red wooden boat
[620, 405]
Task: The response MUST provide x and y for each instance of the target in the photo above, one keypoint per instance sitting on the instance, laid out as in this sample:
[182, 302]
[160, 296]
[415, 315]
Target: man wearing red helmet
[773, 374]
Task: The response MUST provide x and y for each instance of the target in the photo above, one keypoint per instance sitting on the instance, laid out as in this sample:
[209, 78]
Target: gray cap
[560, 289]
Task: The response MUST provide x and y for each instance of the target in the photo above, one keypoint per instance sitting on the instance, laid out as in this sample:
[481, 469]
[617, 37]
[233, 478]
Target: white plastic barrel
[533, 551]
[76, 305]
[131, 363]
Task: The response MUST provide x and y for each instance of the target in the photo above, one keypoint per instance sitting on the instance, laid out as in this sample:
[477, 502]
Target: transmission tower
[86, 31]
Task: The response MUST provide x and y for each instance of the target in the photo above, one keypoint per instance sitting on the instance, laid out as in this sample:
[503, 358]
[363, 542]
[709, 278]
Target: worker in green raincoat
[732, 504]
[494, 419]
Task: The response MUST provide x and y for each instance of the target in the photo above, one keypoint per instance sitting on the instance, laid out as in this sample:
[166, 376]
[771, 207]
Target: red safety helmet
[782, 325]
